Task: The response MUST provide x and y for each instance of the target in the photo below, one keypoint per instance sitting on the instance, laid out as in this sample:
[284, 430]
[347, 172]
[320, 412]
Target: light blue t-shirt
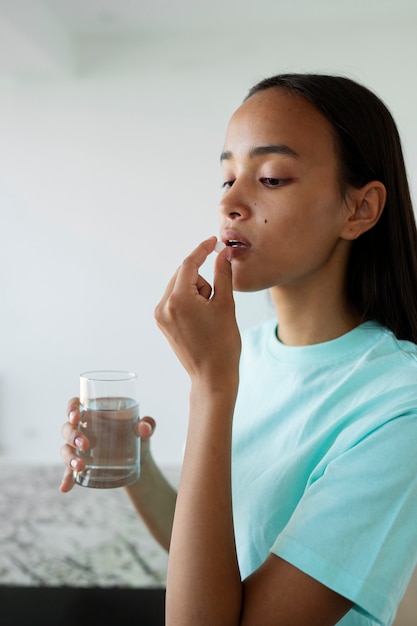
[325, 463]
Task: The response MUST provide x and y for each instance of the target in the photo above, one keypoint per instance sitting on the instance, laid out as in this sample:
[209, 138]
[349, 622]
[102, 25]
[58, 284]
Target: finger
[204, 288]
[67, 482]
[188, 272]
[71, 459]
[74, 437]
[187, 275]
[223, 276]
[73, 410]
[145, 427]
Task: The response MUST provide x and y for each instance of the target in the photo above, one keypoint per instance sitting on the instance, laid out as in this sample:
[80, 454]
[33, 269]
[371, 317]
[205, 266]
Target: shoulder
[403, 348]
[397, 357]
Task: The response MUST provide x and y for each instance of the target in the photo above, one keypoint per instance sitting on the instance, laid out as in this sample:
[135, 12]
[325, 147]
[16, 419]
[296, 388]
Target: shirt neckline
[351, 342]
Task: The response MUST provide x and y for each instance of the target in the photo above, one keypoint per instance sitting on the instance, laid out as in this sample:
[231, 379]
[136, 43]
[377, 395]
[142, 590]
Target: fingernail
[148, 426]
[79, 442]
[72, 414]
[73, 463]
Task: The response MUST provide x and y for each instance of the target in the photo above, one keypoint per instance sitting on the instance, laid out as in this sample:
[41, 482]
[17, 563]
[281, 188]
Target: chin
[244, 282]
[244, 286]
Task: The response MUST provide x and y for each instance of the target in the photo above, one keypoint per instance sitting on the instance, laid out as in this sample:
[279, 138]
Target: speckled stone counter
[64, 555]
[85, 538]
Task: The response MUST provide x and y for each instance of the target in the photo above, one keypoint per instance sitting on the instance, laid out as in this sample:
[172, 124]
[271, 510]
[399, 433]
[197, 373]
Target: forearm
[204, 585]
[154, 499]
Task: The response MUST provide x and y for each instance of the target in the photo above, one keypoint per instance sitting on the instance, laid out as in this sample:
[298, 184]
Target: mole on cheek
[266, 221]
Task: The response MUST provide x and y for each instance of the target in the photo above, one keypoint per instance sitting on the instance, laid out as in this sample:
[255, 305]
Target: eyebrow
[261, 150]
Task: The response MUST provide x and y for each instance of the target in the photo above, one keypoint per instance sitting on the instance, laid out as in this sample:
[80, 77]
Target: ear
[365, 208]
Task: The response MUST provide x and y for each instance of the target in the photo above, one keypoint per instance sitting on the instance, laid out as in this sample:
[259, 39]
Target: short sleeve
[355, 528]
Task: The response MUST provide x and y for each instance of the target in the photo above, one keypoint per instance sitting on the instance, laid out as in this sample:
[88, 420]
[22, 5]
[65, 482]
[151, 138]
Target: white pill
[219, 246]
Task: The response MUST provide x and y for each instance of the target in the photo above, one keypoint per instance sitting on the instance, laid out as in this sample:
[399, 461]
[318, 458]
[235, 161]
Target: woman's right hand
[76, 440]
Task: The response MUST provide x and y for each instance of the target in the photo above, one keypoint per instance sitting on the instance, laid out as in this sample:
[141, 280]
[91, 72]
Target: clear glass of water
[109, 411]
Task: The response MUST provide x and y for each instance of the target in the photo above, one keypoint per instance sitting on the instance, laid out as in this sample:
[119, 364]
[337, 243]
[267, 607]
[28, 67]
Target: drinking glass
[109, 411]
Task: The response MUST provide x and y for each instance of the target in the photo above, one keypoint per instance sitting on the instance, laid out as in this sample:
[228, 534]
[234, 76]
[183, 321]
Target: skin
[286, 206]
[301, 252]
[152, 495]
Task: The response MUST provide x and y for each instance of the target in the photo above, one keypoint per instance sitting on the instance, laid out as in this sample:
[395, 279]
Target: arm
[204, 585]
[202, 562]
[153, 498]
[152, 495]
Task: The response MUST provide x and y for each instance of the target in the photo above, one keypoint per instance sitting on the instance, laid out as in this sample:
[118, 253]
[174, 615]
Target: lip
[229, 236]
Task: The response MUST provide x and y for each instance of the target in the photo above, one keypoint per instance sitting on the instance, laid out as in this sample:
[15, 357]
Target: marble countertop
[85, 538]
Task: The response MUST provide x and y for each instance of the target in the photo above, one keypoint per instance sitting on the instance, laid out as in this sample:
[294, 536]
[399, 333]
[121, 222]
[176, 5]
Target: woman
[299, 482]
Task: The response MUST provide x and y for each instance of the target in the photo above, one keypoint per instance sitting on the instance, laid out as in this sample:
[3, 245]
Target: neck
[313, 317]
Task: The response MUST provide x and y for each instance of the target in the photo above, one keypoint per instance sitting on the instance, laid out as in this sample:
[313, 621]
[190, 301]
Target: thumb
[223, 276]
[145, 427]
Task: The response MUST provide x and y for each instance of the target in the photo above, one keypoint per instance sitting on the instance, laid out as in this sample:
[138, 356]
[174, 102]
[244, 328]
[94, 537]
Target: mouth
[235, 243]
[234, 239]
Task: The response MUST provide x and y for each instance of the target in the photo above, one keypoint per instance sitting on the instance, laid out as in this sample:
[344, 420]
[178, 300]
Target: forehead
[274, 116]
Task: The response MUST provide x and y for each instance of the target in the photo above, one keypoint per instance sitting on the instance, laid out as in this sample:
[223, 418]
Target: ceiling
[39, 36]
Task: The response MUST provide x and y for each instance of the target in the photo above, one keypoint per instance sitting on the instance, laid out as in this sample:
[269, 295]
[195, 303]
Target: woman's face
[282, 203]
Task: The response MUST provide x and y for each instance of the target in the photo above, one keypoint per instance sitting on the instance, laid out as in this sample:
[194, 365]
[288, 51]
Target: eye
[227, 184]
[274, 182]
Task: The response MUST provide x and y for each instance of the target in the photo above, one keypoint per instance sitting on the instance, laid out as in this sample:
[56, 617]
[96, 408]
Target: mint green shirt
[325, 463]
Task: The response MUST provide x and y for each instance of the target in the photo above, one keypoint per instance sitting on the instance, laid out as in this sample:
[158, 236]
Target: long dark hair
[382, 271]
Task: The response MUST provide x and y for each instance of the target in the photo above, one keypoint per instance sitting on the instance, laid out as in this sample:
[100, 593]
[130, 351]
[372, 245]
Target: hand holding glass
[109, 408]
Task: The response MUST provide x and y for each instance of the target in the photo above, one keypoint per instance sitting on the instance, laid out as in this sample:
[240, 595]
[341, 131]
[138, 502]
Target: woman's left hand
[199, 321]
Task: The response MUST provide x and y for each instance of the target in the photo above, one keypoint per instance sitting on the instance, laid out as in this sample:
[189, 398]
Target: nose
[235, 203]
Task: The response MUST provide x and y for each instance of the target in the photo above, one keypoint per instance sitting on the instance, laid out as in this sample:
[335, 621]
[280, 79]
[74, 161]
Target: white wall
[109, 177]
